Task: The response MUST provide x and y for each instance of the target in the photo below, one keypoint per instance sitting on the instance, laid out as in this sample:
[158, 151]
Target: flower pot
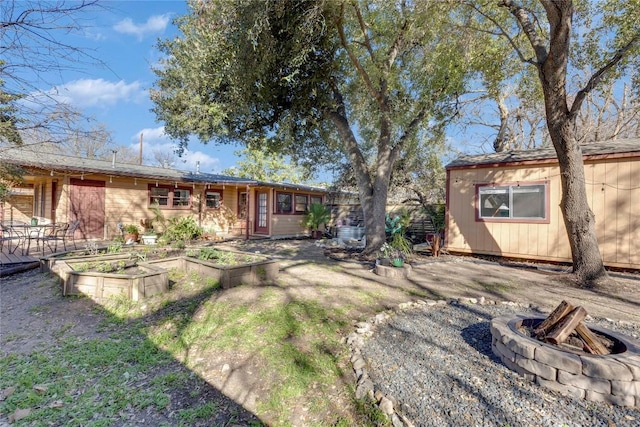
[397, 262]
[149, 239]
[130, 237]
[316, 234]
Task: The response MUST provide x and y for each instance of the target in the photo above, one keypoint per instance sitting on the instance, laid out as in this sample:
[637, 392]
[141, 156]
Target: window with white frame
[283, 203]
[522, 201]
[169, 197]
[301, 203]
[242, 205]
[213, 199]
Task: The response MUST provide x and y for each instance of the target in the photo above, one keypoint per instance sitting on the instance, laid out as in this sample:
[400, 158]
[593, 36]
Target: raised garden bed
[138, 282]
[248, 269]
[141, 275]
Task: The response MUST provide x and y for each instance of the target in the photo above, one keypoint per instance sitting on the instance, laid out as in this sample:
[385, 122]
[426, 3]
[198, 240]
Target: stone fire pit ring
[613, 378]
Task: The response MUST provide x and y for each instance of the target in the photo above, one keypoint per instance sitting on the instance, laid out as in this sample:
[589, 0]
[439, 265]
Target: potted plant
[391, 255]
[131, 233]
[317, 215]
[149, 237]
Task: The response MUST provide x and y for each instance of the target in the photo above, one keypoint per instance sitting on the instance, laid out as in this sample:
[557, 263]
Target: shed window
[513, 201]
[160, 195]
[316, 199]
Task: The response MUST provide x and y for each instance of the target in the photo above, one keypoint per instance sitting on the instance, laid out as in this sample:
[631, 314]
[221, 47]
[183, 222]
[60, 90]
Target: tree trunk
[373, 195]
[374, 219]
[578, 217]
[561, 122]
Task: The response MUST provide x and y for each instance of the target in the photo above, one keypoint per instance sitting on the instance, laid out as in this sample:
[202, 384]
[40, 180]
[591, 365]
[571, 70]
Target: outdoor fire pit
[611, 378]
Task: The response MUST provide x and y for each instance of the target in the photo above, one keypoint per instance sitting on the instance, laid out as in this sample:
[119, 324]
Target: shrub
[182, 229]
[131, 229]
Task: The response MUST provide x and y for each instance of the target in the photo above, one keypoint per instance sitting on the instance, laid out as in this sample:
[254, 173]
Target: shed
[508, 204]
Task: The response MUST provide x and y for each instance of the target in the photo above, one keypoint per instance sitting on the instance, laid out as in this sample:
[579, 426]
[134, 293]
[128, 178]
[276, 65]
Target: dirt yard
[33, 315]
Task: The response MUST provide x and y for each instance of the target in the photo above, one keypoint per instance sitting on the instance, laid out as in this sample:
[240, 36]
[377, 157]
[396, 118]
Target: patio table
[27, 232]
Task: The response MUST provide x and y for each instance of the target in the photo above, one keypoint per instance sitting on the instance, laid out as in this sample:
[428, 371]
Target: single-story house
[508, 204]
[102, 194]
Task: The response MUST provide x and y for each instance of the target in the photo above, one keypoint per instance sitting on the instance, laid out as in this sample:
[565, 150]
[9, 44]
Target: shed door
[87, 205]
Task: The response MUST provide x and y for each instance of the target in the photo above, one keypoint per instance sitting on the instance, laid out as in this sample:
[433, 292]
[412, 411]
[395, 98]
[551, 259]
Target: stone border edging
[364, 386]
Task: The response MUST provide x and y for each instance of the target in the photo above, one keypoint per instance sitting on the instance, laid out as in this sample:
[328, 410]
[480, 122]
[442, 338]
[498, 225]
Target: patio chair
[53, 236]
[70, 233]
[11, 235]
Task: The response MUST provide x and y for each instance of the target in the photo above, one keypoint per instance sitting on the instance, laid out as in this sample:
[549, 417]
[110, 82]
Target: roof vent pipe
[113, 159]
[198, 167]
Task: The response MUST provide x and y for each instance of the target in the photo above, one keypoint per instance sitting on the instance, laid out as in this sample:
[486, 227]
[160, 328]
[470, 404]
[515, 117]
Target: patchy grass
[149, 361]
[494, 287]
[83, 381]
[419, 293]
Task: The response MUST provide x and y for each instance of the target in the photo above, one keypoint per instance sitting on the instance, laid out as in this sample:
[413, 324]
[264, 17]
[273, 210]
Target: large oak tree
[315, 79]
[543, 35]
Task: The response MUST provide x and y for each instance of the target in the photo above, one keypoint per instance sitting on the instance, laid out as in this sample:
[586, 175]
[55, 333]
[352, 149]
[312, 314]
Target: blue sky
[124, 37]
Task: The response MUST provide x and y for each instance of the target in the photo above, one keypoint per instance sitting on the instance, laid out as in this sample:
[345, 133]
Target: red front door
[262, 213]
[87, 205]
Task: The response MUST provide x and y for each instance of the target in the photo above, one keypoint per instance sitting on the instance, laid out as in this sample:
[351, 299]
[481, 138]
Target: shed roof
[29, 158]
[545, 153]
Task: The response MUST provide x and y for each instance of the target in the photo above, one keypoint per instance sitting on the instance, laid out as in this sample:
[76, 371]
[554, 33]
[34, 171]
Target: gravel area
[437, 363]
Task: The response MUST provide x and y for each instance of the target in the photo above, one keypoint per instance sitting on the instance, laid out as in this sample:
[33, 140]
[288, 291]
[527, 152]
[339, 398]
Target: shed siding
[613, 190]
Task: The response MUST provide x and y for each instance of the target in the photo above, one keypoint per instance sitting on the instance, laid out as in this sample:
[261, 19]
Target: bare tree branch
[597, 76]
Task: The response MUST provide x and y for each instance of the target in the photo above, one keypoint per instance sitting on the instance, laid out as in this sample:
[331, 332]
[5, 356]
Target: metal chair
[54, 235]
[9, 235]
[71, 233]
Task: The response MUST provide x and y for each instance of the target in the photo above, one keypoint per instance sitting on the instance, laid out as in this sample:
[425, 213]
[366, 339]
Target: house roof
[25, 157]
[68, 164]
[546, 153]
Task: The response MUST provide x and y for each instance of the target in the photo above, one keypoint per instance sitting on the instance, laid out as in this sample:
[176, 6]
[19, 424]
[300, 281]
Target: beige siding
[287, 225]
[290, 224]
[126, 201]
[613, 190]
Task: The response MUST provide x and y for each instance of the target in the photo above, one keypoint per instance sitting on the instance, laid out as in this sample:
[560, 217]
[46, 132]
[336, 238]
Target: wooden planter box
[53, 263]
[252, 273]
[155, 278]
[151, 281]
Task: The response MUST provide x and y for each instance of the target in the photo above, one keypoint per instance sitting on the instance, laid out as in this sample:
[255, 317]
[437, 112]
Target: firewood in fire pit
[563, 322]
[591, 341]
[566, 325]
[552, 319]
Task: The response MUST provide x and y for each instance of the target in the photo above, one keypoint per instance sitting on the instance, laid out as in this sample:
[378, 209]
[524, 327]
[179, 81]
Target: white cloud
[154, 136]
[97, 92]
[207, 162]
[155, 24]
